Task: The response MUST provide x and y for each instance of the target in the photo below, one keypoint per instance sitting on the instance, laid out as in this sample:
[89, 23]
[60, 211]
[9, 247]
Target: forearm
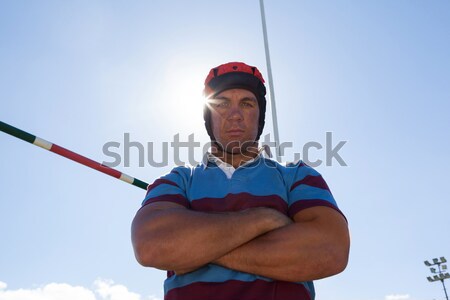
[298, 252]
[178, 239]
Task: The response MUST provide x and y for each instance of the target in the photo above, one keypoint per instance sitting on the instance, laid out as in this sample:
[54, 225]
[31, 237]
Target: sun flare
[184, 94]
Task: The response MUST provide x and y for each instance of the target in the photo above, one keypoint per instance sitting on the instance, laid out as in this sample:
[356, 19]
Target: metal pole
[442, 280]
[272, 92]
[27, 137]
[445, 291]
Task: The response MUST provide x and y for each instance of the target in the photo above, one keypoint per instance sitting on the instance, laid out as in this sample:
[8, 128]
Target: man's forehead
[240, 93]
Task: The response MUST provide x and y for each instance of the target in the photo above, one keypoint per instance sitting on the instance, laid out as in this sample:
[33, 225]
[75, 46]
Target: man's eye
[247, 104]
[221, 104]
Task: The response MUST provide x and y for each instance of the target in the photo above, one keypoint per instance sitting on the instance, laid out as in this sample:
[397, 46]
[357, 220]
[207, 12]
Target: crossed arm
[260, 241]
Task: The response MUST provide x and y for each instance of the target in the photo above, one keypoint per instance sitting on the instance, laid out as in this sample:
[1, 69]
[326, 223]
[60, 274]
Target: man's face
[234, 119]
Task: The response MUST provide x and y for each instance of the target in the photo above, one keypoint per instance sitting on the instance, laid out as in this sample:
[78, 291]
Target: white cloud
[103, 290]
[397, 297]
[51, 291]
[110, 291]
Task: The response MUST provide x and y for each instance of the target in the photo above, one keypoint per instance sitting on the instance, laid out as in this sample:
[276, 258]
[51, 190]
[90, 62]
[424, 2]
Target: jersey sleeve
[307, 189]
[170, 187]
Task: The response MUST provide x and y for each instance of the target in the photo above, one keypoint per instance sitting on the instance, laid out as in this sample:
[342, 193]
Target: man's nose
[235, 113]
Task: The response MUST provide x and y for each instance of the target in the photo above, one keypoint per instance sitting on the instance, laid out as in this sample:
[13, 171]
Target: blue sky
[81, 74]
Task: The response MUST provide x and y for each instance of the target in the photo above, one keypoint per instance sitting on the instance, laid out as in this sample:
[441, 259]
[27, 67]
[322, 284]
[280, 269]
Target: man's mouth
[234, 132]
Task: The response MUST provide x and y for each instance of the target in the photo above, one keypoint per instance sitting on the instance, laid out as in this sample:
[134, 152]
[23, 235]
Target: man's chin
[238, 147]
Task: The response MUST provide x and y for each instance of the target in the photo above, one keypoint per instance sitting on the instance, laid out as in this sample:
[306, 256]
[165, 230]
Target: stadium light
[440, 275]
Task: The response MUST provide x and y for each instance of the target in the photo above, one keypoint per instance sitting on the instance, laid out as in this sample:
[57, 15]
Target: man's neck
[238, 158]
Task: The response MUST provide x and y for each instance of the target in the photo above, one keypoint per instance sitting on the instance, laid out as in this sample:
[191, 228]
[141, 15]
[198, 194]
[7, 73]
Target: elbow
[143, 254]
[338, 254]
[333, 261]
[143, 257]
[145, 249]
[328, 264]
[144, 246]
[337, 260]
[156, 257]
[339, 264]
[149, 256]
[150, 251]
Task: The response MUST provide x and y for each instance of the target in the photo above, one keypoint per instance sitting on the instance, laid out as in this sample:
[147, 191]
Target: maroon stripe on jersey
[240, 290]
[304, 204]
[178, 199]
[237, 202]
[314, 181]
[159, 182]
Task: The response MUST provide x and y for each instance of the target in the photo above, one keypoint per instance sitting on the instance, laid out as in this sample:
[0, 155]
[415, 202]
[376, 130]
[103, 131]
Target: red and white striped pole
[16, 132]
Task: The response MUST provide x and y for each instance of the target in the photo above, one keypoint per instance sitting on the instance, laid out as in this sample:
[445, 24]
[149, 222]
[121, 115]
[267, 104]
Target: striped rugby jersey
[287, 188]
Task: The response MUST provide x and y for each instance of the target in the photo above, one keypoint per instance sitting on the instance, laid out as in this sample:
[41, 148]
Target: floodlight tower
[439, 274]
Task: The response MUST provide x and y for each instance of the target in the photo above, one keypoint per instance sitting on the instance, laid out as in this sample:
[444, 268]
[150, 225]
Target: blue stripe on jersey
[213, 273]
[305, 192]
[251, 179]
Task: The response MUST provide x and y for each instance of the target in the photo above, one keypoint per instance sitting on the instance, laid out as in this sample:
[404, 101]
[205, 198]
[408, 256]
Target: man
[240, 225]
